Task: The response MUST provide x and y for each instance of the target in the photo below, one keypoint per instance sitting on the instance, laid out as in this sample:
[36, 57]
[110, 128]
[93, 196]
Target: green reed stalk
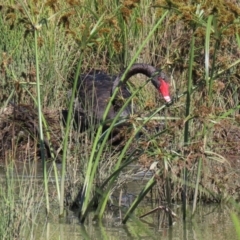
[53, 156]
[207, 48]
[103, 203]
[236, 223]
[209, 82]
[65, 140]
[7, 205]
[120, 158]
[199, 168]
[212, 22]
[52, 152]
[68, 124]
[103, 139]
[115, 173]
[36, 27]
[209, 78]
[186, 126]
[188, 93]
[140, 197]
[124, 150]
[168, 189]
[218, 36]
[111, 180]
[238, 39]
[40, 120]
[95, 158]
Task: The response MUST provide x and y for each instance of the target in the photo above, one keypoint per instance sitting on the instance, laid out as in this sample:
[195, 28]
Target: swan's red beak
[164, 90]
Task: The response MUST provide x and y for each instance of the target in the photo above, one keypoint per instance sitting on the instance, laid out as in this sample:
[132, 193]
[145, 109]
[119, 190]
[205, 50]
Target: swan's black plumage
[95, 89]
[94, 93]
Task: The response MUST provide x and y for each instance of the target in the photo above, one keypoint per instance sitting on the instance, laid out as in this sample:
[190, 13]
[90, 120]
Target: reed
[236, 223]
[46, 46]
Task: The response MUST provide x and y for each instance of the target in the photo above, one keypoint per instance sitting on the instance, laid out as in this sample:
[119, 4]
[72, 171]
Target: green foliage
[18, 206]
[236, 223]
[197, 43]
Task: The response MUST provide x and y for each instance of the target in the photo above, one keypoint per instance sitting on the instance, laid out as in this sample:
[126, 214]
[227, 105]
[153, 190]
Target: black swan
[96, 87]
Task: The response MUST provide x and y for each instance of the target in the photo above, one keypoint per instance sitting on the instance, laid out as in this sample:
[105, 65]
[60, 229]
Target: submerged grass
[49, 44]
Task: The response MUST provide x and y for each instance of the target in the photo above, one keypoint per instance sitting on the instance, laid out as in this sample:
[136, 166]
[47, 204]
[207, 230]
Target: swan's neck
[145, 69]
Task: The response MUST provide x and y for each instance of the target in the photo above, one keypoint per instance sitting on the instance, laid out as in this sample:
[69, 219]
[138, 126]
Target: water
[211, 221]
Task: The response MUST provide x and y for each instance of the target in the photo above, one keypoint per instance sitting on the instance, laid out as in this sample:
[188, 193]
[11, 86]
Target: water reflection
[209, 222]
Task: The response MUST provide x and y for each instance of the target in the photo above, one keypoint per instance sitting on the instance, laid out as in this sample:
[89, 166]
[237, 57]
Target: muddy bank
[19, 133]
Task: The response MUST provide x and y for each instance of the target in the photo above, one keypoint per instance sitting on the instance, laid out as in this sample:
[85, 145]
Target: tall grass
[21, 200]
[88, 182]
[195, 45]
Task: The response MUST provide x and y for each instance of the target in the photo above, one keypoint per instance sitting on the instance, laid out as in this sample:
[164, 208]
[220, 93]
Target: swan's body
[95, 92]
[96, 87]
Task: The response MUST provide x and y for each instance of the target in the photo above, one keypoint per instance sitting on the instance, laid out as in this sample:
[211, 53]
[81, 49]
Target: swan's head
[161, 82]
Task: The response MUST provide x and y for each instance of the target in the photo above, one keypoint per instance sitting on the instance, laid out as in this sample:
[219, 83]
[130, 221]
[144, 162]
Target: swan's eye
[163, 76]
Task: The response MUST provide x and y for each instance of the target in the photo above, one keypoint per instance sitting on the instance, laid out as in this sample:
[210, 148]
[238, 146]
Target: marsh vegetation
[191, 148]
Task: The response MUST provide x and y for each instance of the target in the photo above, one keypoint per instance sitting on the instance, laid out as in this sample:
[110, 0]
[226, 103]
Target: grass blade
[186, 127]
[96, 153]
